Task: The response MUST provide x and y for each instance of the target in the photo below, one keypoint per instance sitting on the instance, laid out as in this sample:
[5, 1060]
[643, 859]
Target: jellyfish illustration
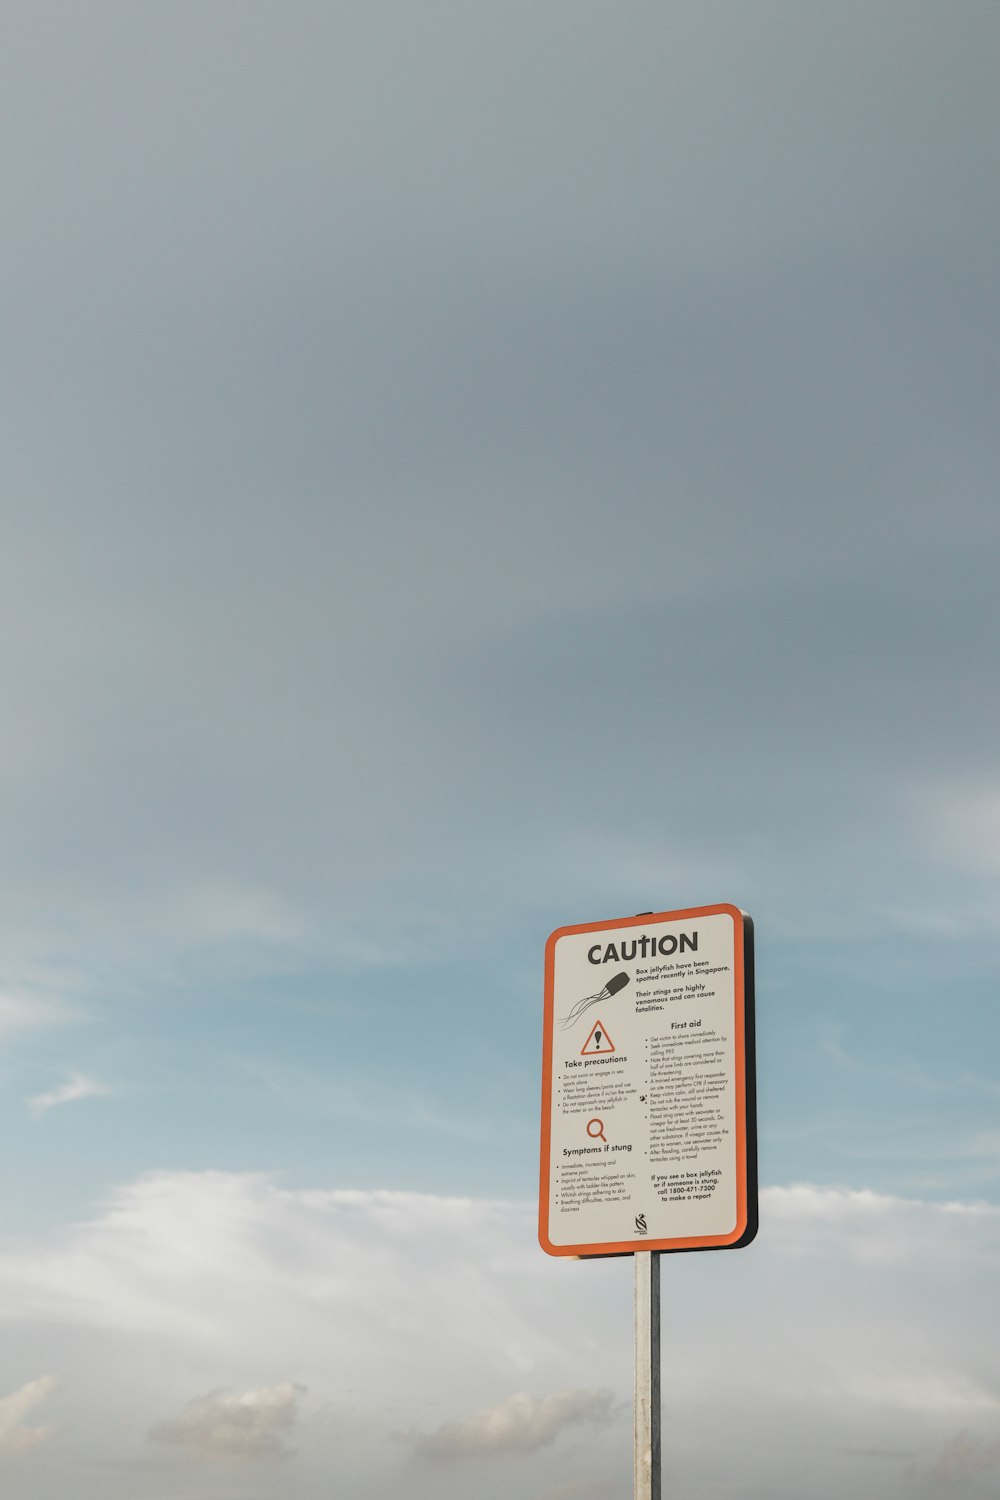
[611, 988]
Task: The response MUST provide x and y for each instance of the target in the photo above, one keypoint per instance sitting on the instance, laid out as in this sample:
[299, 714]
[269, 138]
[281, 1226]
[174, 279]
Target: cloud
[14, 1438]
[224, 910]
[78, 1086]
[578, 1489]
[856, 1319]
[23, 1012]
[521, 1422]
[222, 1425]
[963, 1459]
[962, 825]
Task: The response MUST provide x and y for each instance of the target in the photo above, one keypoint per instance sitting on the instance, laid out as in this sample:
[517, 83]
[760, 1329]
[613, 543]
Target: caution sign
[598, 1042]
[649, 1140]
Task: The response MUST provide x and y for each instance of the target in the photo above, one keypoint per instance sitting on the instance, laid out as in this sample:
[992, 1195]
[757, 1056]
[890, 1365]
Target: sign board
[648, 1101]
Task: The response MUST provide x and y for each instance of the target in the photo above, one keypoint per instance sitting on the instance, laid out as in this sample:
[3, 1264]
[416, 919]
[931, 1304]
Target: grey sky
[420, 402]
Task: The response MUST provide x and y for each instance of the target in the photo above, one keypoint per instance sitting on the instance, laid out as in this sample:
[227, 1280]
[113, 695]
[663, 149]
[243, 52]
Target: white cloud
[222, 910]
[223, 1425]
[578, 1489]
[23, 1012]
[522, 1421]
[962, 826]
[78, 1086]
[963, 1459]
[855, 1320]
[14, 1437]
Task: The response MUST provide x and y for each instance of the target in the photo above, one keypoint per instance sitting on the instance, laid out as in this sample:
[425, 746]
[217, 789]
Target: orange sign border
[746, 1185]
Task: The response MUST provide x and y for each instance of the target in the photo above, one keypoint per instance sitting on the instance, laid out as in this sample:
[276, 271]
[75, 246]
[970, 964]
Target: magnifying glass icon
[598, 1132]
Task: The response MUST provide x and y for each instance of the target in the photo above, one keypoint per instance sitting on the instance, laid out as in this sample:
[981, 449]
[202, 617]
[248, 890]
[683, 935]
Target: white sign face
[646, 1130]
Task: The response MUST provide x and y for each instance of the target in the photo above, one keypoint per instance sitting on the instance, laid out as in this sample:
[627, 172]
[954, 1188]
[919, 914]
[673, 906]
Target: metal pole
[647, 1375]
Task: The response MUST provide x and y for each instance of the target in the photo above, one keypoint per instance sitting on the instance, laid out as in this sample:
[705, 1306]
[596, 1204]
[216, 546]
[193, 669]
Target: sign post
[646, 1402]
[649, 1108]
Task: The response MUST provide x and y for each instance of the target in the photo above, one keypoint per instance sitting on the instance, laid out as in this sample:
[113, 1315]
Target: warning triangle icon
[597, 1042]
